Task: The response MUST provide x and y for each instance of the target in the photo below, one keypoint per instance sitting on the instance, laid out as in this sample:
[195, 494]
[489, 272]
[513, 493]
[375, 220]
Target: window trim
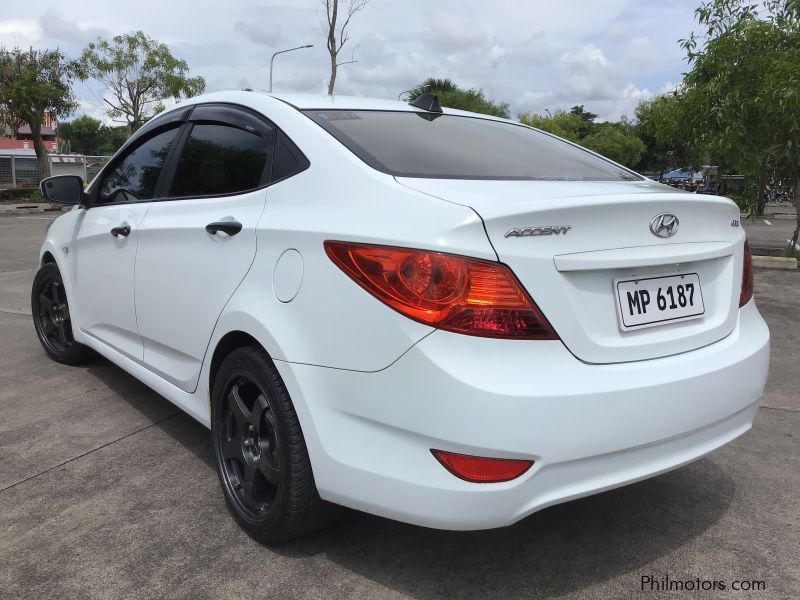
[162, 123]
[127, 149]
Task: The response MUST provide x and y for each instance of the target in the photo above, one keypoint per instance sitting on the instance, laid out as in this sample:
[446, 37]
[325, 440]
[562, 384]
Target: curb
[783, 263]
[778, 217]
[25, 209]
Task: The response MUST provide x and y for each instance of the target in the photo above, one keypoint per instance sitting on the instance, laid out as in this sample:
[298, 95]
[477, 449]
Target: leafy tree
[585, 115]
[661, 126]
[139, 73]
[586, 118]
[613, 140]
[565, 125]
[742, 95]
[81, 135]
[453, 96]
[86, 135]
[111, 139]
[34, 83]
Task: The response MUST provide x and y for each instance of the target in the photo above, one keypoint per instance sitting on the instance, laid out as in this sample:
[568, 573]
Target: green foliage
[34, 83]
[139, 73]
[613, 140]
[453, 96]
[610, 140]
[742, 96]
[565, 125]
[80, 135]
[86, 135]
[583, 114]
[660, 124]
[20, 195]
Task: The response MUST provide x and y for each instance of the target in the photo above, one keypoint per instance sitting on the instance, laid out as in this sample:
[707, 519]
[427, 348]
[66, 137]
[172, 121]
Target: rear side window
[135, 178]
[219, 159]
[414, 144]
[287, 160]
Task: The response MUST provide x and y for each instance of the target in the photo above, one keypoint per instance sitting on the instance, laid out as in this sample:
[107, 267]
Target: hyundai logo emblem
[664, 225]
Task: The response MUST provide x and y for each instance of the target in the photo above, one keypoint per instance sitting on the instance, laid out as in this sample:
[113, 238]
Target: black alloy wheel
[260, 453]
[250, 446]
[51, 317]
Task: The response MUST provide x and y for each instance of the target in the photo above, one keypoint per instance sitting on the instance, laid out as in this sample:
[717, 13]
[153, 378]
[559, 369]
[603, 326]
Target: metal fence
[23, 171]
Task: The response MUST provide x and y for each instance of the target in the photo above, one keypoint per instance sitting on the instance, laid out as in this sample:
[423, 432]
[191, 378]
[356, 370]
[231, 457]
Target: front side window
[135, 177]
[414, 144]
[219, 159]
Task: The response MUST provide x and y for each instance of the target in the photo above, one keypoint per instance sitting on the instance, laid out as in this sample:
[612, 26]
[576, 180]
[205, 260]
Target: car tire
[260, 453]
[51, 318]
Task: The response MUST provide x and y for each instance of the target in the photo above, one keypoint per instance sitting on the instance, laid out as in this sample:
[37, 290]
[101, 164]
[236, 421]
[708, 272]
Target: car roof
[320, 101]
[336, 102]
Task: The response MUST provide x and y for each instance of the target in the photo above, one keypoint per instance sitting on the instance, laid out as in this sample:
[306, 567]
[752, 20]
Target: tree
[453, 96]
[35, 83]
[565, 125]
[609, 140]
[584, 115]
[613, 140]
[337, 33]
[81, 135]
[139, 73]
[660, 124]
[86, 135]
[586, 119]
[742, 94]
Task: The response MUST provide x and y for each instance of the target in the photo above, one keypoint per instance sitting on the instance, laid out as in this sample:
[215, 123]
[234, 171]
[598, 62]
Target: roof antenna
[428, 102]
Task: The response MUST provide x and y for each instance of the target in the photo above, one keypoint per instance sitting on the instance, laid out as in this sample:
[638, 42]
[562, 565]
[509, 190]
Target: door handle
[123, 230]
[227, 227]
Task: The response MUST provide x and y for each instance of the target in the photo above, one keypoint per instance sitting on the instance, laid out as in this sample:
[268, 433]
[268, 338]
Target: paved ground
[771, 233]
[107, 491]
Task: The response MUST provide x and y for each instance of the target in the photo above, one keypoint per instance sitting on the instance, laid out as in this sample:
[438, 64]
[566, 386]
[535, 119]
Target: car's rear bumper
[589, 428]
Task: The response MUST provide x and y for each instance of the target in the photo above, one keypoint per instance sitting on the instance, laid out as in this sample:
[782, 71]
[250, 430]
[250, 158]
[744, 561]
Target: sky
[533, 54]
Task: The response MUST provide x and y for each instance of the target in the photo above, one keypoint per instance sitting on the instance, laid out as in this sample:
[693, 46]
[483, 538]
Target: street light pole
[272, 60]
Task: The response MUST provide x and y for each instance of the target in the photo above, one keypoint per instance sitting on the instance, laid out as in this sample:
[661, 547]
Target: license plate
[652, 301]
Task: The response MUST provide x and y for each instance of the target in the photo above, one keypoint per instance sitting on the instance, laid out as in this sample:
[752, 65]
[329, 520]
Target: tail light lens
[747, 277]
[454, 293]
[478, 469]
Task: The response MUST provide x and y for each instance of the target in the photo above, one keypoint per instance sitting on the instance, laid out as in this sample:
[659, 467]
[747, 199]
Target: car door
[103, 248]
[196, 246]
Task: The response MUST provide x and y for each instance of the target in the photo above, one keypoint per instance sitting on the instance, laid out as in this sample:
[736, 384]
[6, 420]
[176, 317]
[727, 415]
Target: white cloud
[605, 54]
[55, 26]
[450, 32]
[642, 53]
[260, 32]
[19, 33]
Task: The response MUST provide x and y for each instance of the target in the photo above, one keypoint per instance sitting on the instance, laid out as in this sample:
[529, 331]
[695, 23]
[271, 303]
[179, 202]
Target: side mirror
[63, 189]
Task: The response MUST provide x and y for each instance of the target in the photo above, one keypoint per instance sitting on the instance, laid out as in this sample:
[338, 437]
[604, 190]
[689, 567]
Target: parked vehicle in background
[443, 318]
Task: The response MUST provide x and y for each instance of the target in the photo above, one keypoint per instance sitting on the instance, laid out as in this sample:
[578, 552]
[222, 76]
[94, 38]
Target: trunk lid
[571, 274]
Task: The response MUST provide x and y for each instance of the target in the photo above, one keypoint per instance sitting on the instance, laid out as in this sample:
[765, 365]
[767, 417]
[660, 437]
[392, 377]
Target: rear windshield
[416, 144]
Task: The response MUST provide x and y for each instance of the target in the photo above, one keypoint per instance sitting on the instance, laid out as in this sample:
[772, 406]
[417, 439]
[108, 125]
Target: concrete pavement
[107, 491]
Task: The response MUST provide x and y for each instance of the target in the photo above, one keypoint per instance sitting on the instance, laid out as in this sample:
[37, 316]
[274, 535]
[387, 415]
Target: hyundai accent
[443, 318]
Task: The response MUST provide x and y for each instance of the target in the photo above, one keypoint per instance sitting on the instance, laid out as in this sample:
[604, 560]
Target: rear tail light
[454, 293]
[478, 469]
[747, 277]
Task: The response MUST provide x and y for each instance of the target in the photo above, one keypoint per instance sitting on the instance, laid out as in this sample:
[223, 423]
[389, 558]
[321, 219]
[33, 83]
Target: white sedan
[439, 317]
